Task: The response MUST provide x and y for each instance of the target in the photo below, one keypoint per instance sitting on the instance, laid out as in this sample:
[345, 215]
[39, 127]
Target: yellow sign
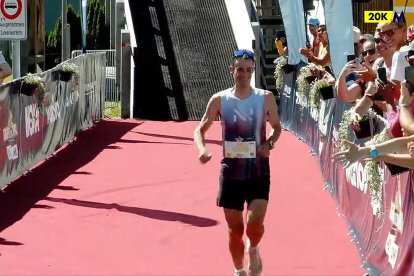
[383, 17]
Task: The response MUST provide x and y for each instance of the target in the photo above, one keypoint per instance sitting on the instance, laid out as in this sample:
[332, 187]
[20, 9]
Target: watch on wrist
[373, 152]
[401, 105]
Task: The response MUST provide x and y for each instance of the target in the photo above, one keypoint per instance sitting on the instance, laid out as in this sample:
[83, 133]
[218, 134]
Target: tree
[55, 36]
[97, 31]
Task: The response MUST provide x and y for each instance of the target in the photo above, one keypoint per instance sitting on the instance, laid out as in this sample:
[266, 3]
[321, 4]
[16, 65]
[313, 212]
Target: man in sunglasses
[245, 172]
[323, 57]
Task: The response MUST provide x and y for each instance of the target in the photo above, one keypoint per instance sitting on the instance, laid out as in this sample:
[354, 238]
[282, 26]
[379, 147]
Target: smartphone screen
[350, 58]
[382, 74]
[351, 77]
[359, 60]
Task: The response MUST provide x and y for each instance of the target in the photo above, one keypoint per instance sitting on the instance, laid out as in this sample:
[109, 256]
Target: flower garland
[70, 67]
[373, 174]
[301, 82]
[345, 123]
[314, 95]
[279, 62]
[36, 81]
[375, 178]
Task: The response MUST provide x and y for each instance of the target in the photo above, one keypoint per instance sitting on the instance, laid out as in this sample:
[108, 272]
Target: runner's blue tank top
[244, 119]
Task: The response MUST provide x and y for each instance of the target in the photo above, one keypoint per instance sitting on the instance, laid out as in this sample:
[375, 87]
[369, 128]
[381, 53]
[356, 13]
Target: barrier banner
[382, 225]
[34, 124]
[287, 100]
[325, 126]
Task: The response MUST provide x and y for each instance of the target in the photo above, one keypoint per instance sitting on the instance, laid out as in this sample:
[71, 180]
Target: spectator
[323, 58]
[313, 25]
[280, 44]
[358, 40]
[365, 71]
[410, 33]
[5, 69]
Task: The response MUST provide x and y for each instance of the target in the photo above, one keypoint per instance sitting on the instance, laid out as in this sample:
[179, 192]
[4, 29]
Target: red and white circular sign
[11, 9]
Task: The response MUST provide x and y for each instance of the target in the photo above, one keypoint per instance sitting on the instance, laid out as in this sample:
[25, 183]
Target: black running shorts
[234, 193]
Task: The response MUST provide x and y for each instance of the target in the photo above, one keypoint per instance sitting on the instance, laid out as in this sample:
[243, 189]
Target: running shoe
[255, 262]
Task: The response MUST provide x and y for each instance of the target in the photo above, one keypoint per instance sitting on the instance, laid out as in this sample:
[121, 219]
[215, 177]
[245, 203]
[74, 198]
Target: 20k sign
[13, 20]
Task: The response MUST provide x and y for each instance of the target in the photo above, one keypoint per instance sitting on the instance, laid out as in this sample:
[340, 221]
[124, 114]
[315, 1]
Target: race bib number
[240, 149]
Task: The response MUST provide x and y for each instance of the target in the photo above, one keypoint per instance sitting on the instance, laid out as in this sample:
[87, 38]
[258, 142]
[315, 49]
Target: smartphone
[359, 60]
[351, 77]
[409, 77]
[382, 74]
[350, 58]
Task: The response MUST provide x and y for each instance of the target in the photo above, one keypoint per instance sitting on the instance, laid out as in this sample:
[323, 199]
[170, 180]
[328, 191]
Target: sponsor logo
[391, 248]
[356, 175]
[383, 16]
[31, 114]
[53, 112]
[12, 152]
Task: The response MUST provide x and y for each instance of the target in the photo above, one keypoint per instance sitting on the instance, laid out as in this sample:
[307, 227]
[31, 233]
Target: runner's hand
[204, 157]
[264, 150]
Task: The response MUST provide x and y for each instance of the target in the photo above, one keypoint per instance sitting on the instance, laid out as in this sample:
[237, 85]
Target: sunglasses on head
[388, 33]
[370, 52]
[243, 53]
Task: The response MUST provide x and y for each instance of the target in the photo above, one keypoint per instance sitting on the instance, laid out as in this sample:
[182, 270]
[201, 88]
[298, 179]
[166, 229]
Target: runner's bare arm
[212, 110]
[273, 117]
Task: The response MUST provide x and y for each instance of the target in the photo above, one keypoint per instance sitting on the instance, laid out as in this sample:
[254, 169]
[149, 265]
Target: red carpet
[130, 198]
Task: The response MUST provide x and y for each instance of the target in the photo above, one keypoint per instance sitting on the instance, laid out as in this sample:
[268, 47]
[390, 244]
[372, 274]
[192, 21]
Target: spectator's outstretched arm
[396, 150]
[402, 160]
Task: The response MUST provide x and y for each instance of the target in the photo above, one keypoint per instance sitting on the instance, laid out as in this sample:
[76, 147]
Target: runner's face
[242, 71]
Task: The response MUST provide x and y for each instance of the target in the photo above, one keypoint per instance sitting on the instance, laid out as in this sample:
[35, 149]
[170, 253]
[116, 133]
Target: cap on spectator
[313, 22]
[357, 34]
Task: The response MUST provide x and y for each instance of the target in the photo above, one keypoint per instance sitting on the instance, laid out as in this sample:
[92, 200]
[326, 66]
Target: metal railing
[112, 91]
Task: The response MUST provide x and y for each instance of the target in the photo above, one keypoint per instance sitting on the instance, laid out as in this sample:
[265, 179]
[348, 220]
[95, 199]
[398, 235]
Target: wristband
[402, 106]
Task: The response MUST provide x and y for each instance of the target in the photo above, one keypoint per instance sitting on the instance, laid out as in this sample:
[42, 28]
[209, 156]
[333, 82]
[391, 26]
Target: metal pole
[16, 59]
[119, 25]
[64, 22]
[112, 24]
[125, 74]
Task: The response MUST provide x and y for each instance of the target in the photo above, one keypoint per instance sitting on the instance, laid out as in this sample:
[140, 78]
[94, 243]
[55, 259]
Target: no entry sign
[13, 20]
